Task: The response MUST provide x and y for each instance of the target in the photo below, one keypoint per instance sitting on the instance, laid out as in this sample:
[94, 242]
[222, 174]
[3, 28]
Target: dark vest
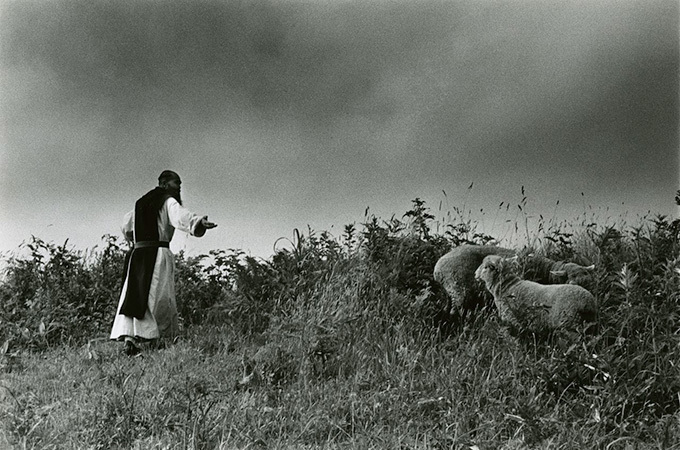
[140, 262]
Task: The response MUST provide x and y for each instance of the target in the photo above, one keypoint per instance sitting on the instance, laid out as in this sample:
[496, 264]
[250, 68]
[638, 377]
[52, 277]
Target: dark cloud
[315, 60]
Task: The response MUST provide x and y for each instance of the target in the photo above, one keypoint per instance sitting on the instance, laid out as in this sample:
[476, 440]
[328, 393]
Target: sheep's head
[495, 268]
[573, 274]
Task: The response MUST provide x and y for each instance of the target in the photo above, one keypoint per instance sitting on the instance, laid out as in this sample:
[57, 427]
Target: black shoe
[131, 349]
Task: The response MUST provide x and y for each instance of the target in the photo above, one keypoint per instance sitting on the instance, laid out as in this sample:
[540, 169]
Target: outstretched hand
[207, 224]
[203, 226]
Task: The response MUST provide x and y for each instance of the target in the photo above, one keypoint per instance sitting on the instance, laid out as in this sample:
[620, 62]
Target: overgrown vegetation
[343, 343]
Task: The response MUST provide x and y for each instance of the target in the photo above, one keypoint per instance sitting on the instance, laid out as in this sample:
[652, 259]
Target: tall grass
[344, 343]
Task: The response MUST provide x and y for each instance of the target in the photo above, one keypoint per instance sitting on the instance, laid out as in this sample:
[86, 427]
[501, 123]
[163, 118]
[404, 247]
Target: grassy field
[342, 343]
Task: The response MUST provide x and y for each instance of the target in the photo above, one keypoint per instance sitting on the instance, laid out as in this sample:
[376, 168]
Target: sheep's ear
[590, 267]
[512, 262]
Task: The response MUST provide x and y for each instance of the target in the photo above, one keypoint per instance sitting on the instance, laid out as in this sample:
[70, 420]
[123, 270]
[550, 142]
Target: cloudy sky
[284, 114]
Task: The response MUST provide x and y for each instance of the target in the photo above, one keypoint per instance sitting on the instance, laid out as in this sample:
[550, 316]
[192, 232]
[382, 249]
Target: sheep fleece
[527, 303]
[455, 271]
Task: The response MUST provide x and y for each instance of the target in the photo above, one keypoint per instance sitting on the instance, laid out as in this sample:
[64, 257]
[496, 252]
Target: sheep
[455, 271]
[547, 271]
[533, 306]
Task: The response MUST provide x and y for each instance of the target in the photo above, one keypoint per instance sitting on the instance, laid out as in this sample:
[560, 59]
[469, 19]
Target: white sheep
[531, 305]
[547, 271]
[455, 271]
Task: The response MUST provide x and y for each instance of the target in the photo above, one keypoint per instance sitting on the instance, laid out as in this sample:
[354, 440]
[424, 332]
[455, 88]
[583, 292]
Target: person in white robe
[150, 312]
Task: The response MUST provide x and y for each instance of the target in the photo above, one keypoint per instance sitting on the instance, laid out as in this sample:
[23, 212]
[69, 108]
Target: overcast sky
[284, 114]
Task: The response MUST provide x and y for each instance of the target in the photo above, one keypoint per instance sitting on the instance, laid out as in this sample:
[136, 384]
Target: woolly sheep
[547, 271]
[455, 271]
[531, 305]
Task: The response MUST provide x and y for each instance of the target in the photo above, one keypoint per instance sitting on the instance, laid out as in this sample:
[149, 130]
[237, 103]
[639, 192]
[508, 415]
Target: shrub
[58, 294]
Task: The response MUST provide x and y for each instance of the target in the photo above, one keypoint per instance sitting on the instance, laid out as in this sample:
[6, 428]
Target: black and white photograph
[340, 224]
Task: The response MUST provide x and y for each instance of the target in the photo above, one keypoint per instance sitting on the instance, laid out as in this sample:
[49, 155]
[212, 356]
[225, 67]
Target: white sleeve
[128, 226]
[181, 218]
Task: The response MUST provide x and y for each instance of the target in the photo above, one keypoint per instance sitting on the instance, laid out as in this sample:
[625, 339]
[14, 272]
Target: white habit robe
[160, 319]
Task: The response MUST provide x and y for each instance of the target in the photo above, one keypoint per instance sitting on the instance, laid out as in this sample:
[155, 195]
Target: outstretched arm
[185, 220]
